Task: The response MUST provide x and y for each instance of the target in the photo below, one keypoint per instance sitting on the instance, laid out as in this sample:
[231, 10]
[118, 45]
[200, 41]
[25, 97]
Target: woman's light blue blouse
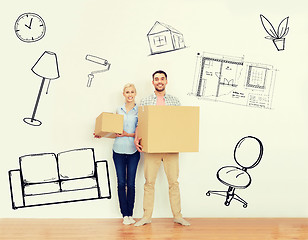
[125, 145]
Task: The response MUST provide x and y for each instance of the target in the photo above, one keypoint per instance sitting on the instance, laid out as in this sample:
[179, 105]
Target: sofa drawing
[49, 178]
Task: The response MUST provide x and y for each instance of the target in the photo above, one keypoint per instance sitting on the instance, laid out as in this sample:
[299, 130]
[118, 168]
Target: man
[152, 161]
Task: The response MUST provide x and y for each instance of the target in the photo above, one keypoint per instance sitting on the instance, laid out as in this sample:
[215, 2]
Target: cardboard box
[108, 124]
[166, 129]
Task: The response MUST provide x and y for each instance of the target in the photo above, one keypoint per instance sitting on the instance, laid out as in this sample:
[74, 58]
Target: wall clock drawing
[30, 27]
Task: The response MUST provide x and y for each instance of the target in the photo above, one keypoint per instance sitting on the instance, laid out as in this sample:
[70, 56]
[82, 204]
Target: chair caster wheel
[227, 203]
[245, 206]
[208, 194]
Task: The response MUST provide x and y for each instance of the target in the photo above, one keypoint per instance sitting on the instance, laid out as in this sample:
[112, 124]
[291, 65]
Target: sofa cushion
[76, 163]
[79, 184]
[37, 168]
[42, 188]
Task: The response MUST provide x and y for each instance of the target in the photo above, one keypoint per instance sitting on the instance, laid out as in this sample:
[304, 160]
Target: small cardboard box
[108, 124]
[166, 129]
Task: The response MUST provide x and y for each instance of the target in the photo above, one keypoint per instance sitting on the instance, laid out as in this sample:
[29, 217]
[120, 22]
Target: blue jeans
[126, 167]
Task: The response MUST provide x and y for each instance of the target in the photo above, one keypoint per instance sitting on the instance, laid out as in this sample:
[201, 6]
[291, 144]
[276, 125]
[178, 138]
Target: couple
[126, 155]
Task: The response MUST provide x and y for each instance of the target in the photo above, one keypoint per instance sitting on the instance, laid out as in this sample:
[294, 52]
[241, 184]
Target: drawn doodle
[164, 38]
[45, 67]
[96, 60]
[230, 79]
[247, 154]
[49, 178]
[30, 27]
[277, 36]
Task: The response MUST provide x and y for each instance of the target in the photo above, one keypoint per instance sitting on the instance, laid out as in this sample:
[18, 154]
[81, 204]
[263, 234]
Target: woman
[125, 155]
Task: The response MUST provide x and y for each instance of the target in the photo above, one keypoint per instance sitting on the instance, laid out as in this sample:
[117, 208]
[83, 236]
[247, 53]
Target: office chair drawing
[247, 154]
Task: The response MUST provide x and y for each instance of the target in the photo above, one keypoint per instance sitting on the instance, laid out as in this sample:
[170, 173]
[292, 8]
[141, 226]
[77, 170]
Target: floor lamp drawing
[97, 60]
[45, 67]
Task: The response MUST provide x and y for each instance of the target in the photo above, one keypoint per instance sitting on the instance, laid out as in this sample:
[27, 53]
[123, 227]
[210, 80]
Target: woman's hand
[96, 136]
[124, 134]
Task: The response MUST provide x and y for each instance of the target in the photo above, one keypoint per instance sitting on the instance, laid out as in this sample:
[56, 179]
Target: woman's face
[129, 94]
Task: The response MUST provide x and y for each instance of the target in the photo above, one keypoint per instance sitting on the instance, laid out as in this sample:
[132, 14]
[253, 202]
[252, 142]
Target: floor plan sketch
[232, 80]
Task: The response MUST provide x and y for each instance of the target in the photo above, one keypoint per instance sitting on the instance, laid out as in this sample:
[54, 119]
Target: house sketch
[164, 38]
[49, 178]
[232, 80]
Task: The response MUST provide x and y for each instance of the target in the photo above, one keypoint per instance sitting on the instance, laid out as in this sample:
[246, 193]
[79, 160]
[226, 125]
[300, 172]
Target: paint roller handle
[90, 77]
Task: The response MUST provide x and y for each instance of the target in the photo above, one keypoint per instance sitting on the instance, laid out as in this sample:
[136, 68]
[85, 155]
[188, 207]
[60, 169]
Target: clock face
[30, 27]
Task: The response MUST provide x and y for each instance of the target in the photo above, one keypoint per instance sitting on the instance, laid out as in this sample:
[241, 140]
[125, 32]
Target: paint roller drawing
[96, 60]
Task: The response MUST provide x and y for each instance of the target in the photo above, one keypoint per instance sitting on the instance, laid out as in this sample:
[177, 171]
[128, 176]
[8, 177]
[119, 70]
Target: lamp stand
[32, 121]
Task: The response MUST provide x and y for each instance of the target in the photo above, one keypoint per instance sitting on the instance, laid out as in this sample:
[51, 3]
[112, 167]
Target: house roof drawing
[161, 27]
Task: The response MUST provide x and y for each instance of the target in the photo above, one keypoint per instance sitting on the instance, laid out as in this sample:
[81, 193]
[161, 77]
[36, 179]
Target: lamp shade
[47, 66]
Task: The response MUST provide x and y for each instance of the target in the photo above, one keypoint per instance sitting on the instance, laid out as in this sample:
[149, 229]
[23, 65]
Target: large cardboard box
[166, 129]
[108, 124]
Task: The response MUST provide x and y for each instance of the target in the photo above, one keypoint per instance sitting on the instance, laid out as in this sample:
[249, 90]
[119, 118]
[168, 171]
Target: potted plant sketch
[278, 37]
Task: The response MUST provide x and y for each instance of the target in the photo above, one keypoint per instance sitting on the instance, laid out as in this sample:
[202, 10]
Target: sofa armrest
[16, 189]
[103, 179]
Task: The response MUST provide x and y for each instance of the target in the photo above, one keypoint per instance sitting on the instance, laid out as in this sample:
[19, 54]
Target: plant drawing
[278, 37]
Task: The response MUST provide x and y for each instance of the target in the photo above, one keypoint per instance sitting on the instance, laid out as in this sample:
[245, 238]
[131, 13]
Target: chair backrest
[248, 152]
[76, 163]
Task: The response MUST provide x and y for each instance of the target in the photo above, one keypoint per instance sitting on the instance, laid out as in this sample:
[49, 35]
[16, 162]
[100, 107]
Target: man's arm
[177, 101]
[137, 138]
[172, 100]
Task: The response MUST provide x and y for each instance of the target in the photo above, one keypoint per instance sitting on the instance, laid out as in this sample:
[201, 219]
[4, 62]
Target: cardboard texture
[108, 124]
[166, 129]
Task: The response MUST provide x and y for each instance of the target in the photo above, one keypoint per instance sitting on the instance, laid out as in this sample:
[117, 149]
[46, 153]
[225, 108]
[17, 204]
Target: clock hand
[29, 24]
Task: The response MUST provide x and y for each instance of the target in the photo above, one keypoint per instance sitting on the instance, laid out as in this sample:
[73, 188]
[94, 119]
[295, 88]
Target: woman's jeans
[126, 167]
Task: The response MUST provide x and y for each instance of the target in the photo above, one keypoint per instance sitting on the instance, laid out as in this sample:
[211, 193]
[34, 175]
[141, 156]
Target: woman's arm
[125, 134]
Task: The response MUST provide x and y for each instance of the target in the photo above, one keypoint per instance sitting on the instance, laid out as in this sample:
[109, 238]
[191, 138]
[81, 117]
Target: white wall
[116, 30]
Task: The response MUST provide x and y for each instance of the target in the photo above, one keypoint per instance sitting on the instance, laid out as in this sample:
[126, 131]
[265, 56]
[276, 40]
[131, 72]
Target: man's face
[159, 82]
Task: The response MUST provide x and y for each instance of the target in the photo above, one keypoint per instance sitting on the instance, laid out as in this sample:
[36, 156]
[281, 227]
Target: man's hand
[137, 144]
